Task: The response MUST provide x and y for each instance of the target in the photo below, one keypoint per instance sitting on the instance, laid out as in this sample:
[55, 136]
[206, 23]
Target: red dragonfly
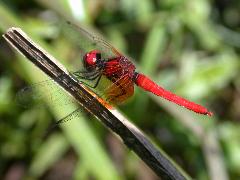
[114, 75]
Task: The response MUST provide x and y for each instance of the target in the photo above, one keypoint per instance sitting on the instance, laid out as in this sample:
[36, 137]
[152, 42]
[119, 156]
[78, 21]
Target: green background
[188, 47]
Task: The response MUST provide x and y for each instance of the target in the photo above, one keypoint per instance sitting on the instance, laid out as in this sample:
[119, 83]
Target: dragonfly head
[90, 59]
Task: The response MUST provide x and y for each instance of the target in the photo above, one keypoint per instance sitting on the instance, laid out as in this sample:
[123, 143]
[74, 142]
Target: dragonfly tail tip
[209, 113]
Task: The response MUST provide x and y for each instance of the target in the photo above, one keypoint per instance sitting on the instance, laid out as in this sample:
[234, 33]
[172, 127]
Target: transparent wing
[38, 93]
[86, 41]
[116, 93]
[120, 90]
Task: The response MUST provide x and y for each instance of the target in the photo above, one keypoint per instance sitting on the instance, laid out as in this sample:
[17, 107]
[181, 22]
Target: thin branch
[130, 134]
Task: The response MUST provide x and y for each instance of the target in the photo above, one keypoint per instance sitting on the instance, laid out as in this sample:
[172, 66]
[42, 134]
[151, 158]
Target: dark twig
[132, 136]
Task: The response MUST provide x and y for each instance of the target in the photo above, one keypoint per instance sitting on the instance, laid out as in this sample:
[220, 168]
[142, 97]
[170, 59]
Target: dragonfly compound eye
[90, 59]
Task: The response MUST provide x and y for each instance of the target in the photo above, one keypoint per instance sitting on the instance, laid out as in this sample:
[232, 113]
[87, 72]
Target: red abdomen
[147, 84]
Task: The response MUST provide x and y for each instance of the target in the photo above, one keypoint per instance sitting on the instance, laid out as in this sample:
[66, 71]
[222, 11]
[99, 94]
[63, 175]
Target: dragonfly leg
[91, 76]
[94, 76]
[85, 74]
[96, 84]
[98, 80]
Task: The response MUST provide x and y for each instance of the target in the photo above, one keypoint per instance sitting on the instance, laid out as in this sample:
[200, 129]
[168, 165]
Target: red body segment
[148, 85]
[112, 67]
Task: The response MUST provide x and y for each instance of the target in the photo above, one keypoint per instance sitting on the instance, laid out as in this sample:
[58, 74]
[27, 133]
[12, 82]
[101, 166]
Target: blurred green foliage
[189, 47]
